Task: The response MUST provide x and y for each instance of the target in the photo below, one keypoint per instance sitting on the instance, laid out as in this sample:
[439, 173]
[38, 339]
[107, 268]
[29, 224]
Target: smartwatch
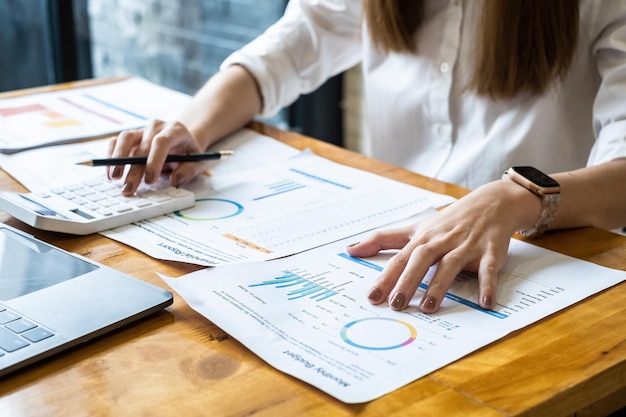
[543, 186]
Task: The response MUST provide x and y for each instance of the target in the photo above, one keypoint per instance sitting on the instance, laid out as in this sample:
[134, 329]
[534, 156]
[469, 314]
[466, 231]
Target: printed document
[268, 200]
[276, 210]
[69, 115]
[308, 315]
[54, 166]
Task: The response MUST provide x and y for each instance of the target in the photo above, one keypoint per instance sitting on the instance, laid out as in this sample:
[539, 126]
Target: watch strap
[550, 202]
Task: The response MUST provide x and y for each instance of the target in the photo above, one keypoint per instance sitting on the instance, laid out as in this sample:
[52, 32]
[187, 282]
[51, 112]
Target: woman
[456, 90]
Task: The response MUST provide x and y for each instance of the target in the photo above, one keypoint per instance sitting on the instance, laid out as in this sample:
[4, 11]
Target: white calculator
[93, 206]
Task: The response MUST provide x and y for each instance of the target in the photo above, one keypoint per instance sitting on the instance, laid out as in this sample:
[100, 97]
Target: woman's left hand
[471, 234]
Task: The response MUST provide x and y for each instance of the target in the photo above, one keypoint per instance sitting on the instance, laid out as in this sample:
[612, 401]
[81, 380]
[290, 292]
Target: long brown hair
[523, 45]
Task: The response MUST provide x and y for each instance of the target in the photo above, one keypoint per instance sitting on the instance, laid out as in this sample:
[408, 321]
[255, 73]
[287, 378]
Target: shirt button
[443, 131]
[444, 67]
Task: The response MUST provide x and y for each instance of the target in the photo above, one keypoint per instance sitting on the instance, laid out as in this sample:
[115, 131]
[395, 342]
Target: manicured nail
[127, 187]
[487, 301]
[116, 172]
[375, 294]
[148, 176]
[398, 301]
[428, 303]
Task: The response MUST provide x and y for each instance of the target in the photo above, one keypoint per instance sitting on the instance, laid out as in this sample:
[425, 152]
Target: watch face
[536, 177]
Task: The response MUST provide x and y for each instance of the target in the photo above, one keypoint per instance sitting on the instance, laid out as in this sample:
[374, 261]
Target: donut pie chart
[378, 333]
[207, 209]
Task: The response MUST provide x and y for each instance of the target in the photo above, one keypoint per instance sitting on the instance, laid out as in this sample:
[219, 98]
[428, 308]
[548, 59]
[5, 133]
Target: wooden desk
[177, 363]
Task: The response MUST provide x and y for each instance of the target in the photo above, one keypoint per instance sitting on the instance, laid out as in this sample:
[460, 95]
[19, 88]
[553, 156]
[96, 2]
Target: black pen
[141, 160]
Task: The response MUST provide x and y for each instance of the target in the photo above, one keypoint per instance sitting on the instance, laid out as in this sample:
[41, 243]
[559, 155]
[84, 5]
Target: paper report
[308, 315]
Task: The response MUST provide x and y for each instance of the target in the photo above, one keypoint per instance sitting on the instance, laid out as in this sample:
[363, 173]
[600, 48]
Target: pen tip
[86, 163]
[227, 153]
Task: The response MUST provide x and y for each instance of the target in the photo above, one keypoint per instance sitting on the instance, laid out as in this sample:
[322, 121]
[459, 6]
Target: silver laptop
[51, 299]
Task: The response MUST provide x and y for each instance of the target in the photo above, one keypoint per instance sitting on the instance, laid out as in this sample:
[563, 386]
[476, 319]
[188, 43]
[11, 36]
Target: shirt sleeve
[609, 49]
[313, 41]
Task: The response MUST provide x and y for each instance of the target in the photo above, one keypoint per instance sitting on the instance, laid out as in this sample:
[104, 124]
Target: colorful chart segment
[207, 209]
[304, 287]
[280, 187]
[363, 333]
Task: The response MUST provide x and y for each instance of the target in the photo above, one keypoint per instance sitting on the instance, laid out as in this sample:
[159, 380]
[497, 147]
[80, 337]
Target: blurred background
[178, 44]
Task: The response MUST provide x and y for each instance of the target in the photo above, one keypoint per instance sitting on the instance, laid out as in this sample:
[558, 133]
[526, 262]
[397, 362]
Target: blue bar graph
[302, 287]
[280, 187]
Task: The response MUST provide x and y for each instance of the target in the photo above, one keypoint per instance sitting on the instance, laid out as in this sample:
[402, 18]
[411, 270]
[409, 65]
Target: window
[178, 44]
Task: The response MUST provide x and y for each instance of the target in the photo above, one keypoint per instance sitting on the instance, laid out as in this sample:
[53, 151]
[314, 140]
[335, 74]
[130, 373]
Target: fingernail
[487, 301]
[116, 172]
[398, 301]
[127, 187]
[148, 176]
[375, 294]
[428, 303]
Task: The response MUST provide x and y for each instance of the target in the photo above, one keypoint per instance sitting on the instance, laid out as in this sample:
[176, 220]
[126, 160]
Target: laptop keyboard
[17, 332]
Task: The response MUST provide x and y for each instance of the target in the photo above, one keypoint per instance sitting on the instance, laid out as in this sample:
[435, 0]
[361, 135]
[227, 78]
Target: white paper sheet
[68, 115]
[307, 315]
[54, 166]
[276, 210]
[268, 200]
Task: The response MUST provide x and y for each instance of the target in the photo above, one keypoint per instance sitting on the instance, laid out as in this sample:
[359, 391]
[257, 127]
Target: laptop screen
[27, 265]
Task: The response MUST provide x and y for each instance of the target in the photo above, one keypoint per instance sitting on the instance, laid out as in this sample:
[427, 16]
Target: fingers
[447, 270]
[156, 140]
[488, 280]
[382, 240]
[404, 272]
[123, 145]
[136, 172]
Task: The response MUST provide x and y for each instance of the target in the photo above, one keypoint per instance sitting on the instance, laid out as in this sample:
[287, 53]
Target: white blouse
[418, 114]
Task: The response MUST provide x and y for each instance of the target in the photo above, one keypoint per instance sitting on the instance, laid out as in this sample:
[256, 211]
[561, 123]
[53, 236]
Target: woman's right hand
[157, 140]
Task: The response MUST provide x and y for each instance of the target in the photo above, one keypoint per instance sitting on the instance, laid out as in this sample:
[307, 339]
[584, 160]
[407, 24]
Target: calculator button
[94, 182]
[108, 202]
[96, 197]
[142, 202]
[82, 192]
[121, 208]
[177, 192]
[79, 200]
[105, 187]
[159, 198]
[68, 196]
[104, 211]
[73, 187]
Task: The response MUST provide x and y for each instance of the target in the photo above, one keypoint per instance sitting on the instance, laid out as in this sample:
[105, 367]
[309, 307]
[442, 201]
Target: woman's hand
[156, 140]
[228, 100]
[472, 233]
